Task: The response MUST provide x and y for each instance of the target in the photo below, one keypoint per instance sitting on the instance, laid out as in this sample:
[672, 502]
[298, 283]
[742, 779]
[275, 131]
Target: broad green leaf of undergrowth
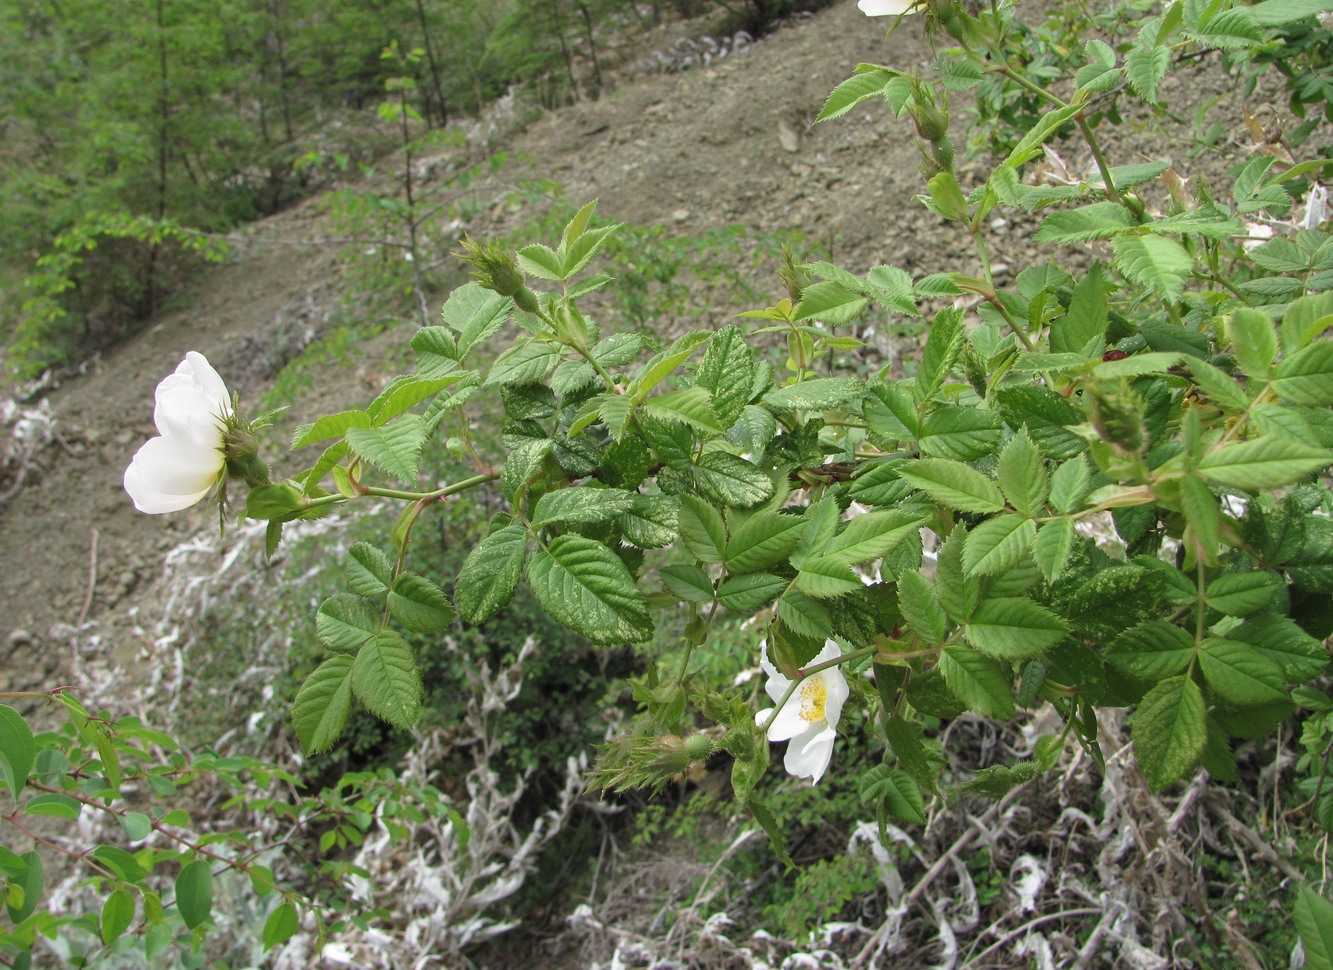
[17, 751]
[194, 892]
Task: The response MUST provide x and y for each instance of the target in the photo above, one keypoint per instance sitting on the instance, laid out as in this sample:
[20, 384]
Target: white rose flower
[809, 719]
[176, 470]
[886, 8]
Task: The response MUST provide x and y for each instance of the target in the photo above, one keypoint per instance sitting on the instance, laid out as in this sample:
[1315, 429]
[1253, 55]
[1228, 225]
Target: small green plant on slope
[1174, 382]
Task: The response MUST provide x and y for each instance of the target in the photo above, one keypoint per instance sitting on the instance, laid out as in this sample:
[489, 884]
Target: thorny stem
[810, 672]
[439, 493]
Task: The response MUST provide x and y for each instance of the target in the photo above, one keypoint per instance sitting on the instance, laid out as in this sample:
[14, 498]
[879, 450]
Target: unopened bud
[242, 451]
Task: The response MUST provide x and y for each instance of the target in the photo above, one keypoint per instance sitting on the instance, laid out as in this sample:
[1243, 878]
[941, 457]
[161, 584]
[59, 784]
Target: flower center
[814, 694]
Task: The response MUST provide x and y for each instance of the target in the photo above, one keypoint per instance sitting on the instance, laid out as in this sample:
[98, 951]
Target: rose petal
[886, 8]
[195, 371]
[188, 413]
[808, 756]
[168, 474]
[789, 723]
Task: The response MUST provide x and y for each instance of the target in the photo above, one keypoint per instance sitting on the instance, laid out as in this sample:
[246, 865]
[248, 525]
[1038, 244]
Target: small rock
[999, 271]
[20, 638]
[680, 215]
[998, 223]
[788, 138]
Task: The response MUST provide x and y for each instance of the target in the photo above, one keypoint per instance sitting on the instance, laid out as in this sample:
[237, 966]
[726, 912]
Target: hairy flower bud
[494, 267]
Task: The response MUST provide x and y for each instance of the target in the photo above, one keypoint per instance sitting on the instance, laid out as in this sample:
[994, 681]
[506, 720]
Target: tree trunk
[434, 68]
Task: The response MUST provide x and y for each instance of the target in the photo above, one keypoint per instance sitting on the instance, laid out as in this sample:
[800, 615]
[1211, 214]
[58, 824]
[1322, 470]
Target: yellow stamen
[814, 694]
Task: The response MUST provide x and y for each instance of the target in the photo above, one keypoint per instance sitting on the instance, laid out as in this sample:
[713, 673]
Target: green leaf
[663, 364]
[964, 434]
[872, 536]
[1170, 731]
[385, 679]
[745, 594]
[878, 483]
[804, 616]
[1069, 485]
[731, 480]
[691, 405]
[475, 313]
[120, 862]
[921, 608]
[953, 484]
[997, 545]
[137, 826]
[345, 621]
[1152, 651]
[282, 924]
[1101, 220]
[1155, 262]
[525, 363]
[403, 392]
[542, 262]
[1051, 548]
[894, 791]
[753, 429]
[194, 892]
[1022, 475]
[1239, 673]
[978, 681]
[581, 505]
[831, 302]
[1100, 73]
[1051, 122]
[702, 529]
[1253, 340]
[1240, 594]
[958, 594]
[727, 371]
[1314, 922]
[18, 751]
[688, 582]
[1144, 69]
[943, 347]
[394, 448]
[825, 577]
[854, 90]
[1014, 629]
[588, 588]
[820, 394]
[320, 710]
[523, 462]
[419, 604]
[117, 915]
[31, 881]
[1267, 462]
[1300, 656]
[329, 426]
[651, 521]
[1306, 377]
[490, 574]
[368, 571]
[1218, 384]
[765, 539]
[59, 806]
